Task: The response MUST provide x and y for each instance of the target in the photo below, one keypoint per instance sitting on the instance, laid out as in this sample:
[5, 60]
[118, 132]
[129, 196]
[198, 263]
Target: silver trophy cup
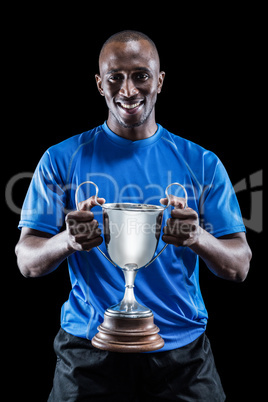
[131, 234]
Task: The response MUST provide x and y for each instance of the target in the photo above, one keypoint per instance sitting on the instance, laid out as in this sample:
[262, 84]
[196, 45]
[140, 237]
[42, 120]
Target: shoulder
[196, 157]
[59, 157]
[72, 144]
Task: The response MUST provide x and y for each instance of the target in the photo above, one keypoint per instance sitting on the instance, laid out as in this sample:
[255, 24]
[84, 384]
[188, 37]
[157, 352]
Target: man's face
[130, 81]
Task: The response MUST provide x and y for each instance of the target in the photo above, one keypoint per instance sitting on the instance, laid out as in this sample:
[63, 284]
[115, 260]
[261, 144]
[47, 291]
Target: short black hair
[128, 36]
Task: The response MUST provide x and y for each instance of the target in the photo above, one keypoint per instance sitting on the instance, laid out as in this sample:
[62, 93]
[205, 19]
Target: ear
[160, 81]
[98, 81]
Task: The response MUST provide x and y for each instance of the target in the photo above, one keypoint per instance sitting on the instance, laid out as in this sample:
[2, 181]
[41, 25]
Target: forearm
[39, 253]
[38, 256]
[227, 257]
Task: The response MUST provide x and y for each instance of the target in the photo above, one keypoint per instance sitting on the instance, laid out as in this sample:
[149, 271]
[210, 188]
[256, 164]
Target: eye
[142, 76]
[115, 77]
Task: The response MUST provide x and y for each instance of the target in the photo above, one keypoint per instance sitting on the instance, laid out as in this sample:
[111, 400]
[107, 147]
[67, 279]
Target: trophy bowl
[131, 235]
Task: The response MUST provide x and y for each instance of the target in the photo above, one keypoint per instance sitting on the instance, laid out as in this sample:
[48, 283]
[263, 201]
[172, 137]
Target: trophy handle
[95, 199]
[185, 193]
[102, 206]
[168, 204]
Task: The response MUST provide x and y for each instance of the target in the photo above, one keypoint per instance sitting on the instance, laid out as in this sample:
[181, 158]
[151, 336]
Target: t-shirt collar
[135, 144]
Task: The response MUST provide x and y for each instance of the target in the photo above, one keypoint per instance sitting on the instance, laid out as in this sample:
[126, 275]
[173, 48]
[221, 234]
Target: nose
[128, 88]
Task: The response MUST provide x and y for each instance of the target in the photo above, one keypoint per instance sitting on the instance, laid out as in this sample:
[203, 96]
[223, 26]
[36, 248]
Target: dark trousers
[84, 373]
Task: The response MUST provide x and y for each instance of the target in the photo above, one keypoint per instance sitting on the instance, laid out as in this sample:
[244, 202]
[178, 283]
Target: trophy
[128, 326]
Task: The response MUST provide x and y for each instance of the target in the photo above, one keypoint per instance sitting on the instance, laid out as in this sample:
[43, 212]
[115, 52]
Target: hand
[82, 229]
[182, 229]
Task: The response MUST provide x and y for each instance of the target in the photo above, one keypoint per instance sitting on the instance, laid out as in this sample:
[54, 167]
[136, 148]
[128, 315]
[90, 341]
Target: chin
[131, 124]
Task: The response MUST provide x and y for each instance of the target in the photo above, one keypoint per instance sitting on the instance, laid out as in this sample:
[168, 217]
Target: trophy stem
[130, 275]
[129, 307]
[130, 272]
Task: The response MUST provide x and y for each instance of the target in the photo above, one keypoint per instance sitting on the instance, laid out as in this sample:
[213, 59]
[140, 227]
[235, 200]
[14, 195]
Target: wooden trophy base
[128, 335]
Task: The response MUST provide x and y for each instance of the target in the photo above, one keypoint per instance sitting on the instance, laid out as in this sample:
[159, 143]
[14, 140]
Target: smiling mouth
[130, 107]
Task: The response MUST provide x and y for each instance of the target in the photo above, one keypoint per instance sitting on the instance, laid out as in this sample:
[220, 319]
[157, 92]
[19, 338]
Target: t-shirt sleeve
[43, 207]
[219, 209]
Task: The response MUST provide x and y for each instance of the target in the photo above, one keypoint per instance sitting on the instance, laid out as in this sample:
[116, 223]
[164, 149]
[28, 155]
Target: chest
[132, 175]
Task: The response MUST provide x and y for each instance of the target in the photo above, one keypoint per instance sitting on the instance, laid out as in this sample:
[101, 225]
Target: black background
[213, 60]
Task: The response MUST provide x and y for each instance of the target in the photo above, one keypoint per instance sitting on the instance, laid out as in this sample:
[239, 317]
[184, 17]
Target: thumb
[163, 201]
[88, 204]
[101, 200]
[176, 202]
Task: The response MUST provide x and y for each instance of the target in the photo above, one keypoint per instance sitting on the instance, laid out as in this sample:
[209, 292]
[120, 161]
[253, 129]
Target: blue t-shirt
[133, 171]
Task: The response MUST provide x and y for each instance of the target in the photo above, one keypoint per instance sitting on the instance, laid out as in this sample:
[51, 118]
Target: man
[133, 159]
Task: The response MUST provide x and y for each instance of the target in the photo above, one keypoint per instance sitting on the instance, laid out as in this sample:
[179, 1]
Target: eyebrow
[116, 70]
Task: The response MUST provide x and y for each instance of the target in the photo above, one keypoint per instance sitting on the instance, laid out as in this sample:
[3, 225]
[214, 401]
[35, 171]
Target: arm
[39, 253]
[227, 257]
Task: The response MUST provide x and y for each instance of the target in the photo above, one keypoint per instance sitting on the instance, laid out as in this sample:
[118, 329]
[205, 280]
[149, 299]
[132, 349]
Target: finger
[185, 213]
[79, 216]
[86, 237]
[179, 228]
[90, 203]
[83, 228]
[176, 202]
[175, 241]
[87, 246]
[163, 201]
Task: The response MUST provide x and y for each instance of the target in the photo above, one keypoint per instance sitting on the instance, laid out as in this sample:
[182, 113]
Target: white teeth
[124, 105]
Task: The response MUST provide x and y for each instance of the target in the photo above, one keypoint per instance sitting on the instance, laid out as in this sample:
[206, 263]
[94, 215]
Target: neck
[145, 130]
